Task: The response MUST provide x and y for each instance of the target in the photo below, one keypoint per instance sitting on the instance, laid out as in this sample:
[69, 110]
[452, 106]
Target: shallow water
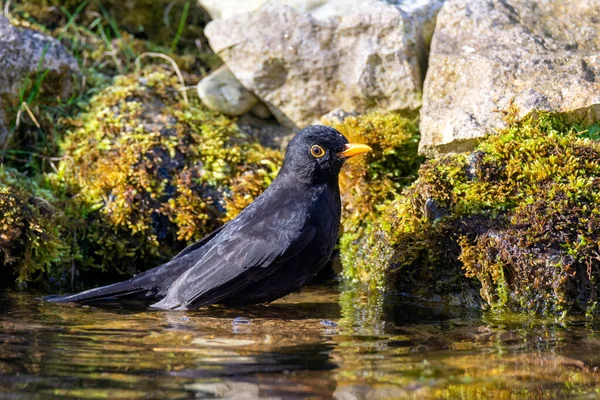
[317, 344]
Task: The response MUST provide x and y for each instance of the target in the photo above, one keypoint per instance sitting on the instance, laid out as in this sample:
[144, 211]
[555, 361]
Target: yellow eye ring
[317, 151]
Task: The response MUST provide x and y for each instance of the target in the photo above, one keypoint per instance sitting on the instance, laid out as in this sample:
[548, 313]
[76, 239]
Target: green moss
[143, 173]
[104, 39]
[31, 240]
[517, 218]
[369, 183]
[136, 171]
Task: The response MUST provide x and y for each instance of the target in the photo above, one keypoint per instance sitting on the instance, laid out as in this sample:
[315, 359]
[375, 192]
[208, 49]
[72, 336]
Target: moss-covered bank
[107, 38]
[128, 169]
[142, 173]
[148, 172]
[369, 183]
[516, 220]
[32, 241]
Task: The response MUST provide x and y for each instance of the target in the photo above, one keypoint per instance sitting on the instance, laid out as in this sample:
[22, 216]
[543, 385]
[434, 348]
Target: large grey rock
[306, 60]
[221, 92]
[489, 54]
[24, 52]
[221, 9]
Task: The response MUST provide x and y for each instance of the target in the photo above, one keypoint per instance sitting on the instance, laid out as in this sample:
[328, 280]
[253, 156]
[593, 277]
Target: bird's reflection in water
[277, 373]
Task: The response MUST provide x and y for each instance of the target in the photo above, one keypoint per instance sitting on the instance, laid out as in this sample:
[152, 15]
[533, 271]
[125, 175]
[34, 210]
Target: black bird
[269, 250]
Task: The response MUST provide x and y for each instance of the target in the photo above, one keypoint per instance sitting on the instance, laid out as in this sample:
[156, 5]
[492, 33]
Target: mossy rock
[31, 237]
[143, 173]
[516, 220]
[369, 183]
[103, 49]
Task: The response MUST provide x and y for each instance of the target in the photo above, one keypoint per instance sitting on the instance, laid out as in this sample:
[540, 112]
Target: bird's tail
[119, 289]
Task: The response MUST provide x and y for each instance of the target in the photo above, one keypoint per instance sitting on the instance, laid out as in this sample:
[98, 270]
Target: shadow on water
[317, 344]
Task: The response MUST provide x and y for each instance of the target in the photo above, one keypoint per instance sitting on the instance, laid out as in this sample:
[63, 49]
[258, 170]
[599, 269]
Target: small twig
[173, 63]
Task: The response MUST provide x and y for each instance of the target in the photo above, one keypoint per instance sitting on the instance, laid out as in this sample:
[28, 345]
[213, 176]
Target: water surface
[316, 344]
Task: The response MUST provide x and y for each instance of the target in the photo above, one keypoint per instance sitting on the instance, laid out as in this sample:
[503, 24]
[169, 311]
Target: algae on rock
[517, 218]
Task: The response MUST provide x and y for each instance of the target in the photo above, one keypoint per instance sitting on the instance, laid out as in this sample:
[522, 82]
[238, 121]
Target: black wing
[149, 284]
[246, 251]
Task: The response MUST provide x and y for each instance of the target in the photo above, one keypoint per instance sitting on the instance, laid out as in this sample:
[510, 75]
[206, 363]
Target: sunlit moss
[370, 182]
[146, 173]
[517, 218]
[31, 240]
[104, 43]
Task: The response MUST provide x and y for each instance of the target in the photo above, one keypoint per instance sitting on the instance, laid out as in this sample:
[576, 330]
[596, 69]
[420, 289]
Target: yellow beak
[353, 149]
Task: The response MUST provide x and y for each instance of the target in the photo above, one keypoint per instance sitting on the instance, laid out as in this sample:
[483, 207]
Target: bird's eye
[317, 151]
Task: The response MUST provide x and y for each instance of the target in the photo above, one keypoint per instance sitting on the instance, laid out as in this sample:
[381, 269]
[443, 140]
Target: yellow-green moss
[518, 218]
[145, 173]
[370, 182]
[106, 39]
[31, 240]
[136, 171]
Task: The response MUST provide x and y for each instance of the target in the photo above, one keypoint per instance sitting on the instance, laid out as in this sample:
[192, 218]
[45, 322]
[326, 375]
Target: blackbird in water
[269, 250]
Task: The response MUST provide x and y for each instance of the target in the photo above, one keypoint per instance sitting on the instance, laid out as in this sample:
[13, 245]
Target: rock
[31, 238]
[23, 53]
[424, 10]
[221, 9]
[261, 111]
[220, 91]
[489, 54]
[303, 62]
[267, 132]
[337, 116]
[368, 183]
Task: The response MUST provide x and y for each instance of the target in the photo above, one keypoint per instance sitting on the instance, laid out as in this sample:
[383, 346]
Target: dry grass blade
[173, 63]
[25, 106]
[6, 8]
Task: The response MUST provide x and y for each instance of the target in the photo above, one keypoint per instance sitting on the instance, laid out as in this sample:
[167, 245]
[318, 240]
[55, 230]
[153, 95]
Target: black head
[316, 154]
